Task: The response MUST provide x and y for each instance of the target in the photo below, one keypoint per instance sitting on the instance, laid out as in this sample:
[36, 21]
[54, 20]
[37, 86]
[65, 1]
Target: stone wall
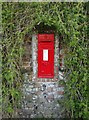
[40, 95]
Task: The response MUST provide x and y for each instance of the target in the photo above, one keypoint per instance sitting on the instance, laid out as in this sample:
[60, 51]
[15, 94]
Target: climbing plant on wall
[70, 21]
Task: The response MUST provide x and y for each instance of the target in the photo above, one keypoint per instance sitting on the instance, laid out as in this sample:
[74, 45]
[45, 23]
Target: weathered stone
[45, 95]
[50, 89]
[37, 85]
[39, 93]
[28, 97]
[48, 113]
[35, 97]
[60, 92]
[42, 100]
[50, 98]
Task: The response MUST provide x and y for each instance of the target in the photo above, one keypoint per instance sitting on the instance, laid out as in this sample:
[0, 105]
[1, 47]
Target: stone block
[60, 92]
[37, 85]
[38, 93]
[60, 85]
[60, 88]
[34, 97]
[29, 97]
[50, 89]
[42, 100]
[50, 98]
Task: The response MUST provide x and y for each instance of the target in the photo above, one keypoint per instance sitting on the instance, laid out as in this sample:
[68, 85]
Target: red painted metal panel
[45, 37]
[46, 56]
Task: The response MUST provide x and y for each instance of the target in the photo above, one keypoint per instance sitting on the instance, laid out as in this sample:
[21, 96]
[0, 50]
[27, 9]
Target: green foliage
[70, 21]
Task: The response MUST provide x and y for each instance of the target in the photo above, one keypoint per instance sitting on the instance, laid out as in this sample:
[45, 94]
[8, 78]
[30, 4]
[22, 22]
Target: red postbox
[45, 55]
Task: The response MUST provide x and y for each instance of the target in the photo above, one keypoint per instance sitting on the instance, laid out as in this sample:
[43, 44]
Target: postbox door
[46, 60]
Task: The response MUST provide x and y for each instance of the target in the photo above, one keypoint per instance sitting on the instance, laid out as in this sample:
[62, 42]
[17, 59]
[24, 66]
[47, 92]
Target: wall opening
[41, 95]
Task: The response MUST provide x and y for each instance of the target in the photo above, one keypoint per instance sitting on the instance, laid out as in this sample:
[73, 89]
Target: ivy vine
[70, 20]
